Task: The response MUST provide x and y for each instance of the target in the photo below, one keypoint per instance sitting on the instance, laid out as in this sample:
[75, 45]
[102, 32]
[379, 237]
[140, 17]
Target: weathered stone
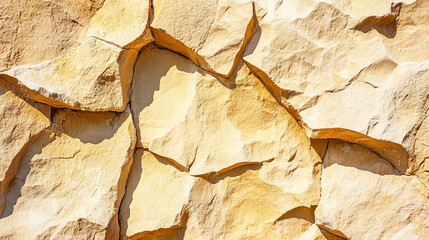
[123, 22]
[421, 150]
[315, 57]
[361, 189]
[71, 180]
[236, 103]
[157, 194]
[94, 76]
[316, 233]
[21, 123]
[211, 33]
[34, 31]
[187, 115]
[216, 210]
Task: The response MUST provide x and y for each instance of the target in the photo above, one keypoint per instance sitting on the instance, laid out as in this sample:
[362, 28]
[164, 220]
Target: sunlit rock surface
[226, 120]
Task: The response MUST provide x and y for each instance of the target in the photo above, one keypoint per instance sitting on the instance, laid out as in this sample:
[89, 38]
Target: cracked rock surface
[216, 119]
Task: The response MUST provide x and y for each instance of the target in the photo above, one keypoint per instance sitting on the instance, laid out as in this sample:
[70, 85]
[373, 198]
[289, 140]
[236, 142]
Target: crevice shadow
[88, 127]
[24, 169]
[305, 213]
[357, 156]
[132, 183]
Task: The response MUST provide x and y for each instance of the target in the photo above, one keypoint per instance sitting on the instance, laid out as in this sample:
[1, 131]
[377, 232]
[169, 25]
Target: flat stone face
[36, 31]
[356, 183]
[21, 122]
[185, 114]
[122, 22]
[94, 76]
[71, 178]
[211, 33]
[88, 61]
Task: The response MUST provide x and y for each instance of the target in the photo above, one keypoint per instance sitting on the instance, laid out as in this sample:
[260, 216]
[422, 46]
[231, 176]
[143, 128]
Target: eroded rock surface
[364, 86]
[94, 76]
[36, 31]
[21, 123]
[90, 66]
[356, 183]
[215, 119]
[72, 179]
[123, 22]
[211, 33]
[248, 202]
[185, 114]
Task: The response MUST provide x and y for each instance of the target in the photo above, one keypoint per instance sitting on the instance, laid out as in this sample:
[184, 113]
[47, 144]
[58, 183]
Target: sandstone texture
[214, 120]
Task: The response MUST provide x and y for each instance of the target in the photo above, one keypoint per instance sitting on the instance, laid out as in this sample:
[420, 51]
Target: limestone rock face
[356, 183]
[316, 55]
[71, 180]
[212, 33]
[215, 209]
[214, 119]
[21, 122]
[35, 31]
[92, 70]
[175, 122]
[122, 22]
[94, 76]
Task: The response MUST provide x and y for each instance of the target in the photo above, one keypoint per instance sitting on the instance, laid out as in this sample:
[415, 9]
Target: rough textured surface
[215, 119]
[244, 203]
[122, 22]
[35, 31]
[175, 122]
[21, 122]
[316, 55]
[94, 76]
[211, 33]
[71, 179]
[356, 183]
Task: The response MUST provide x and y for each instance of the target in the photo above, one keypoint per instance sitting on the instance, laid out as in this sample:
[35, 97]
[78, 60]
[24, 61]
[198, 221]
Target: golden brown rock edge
[214, 120]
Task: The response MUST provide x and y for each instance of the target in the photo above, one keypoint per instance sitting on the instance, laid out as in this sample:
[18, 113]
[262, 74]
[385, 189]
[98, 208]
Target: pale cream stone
[346, 69]
[94, 76]
[122, 22]
[35, 31]
[211, 33]
[316, 233]
[185, 114]
[361, 189]
[71, 181]
[163, 202]
[421, 151]
[21, 123]
[157, 194]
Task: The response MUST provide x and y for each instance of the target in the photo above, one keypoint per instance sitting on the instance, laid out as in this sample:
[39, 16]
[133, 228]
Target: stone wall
[214, 119]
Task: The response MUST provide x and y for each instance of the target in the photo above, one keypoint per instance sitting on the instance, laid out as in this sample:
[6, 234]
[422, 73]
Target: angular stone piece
[34, 31]
[21, 123]
[188, 116]
[157, 194]
[123, 22]
[163, 202]
[94, 76]
[315, 57]
[71, 181]
[211, 33]
[361, 189]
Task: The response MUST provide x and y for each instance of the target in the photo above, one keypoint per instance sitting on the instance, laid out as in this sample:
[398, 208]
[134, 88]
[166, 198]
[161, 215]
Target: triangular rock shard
[211, 33]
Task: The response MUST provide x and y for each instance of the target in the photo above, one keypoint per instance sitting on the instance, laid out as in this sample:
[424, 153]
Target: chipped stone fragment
[71, 181]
